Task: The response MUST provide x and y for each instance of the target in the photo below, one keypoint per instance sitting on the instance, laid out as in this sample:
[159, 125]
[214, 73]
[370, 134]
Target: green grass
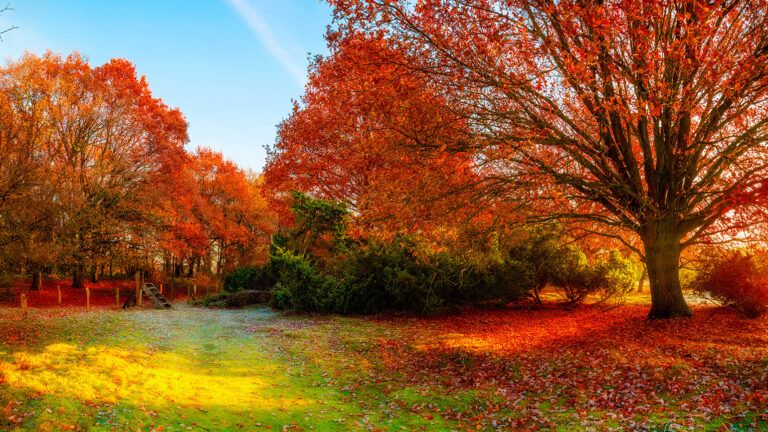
[186, 369]
[254, 369]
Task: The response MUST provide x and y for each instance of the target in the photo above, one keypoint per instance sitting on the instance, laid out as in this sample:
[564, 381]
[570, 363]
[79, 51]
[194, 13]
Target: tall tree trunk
[641, 282]
[94, 274]
[662, 257]
[220, 258]
[37, 280]
[77, 276]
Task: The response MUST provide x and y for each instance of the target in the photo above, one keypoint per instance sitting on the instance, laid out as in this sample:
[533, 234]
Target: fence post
[138, 289]
[161, 288]
[194, 291]
[23, 299]
[58, 293]
[87, 298]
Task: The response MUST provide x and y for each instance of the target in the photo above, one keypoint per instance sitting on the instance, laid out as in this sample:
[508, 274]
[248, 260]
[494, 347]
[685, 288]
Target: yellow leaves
[109, 375]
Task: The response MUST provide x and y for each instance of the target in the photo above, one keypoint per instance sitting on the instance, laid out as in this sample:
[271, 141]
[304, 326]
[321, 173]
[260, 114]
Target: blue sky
[232, 66]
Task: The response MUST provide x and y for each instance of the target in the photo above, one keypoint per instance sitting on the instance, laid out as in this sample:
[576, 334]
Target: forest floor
[228, 370]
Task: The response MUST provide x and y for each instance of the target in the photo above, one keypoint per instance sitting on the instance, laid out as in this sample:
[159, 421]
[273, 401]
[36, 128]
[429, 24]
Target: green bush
[250, 278]
[299, 285]
[539, 257]
[383, 277]
[234, 299]
[575, 278]
[400, 276]
[621, 274]
[314, 266]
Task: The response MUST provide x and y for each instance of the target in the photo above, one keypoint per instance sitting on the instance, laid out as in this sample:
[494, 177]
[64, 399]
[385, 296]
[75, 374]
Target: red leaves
[636, 108]
[374, 135]
[587, 368]
[207, 201]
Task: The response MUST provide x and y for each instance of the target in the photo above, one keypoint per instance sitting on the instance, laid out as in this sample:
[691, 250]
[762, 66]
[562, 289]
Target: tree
[96, 136]
[371, 134]
[649, 117]
[26, 218]
[230, 207]
[214, 212]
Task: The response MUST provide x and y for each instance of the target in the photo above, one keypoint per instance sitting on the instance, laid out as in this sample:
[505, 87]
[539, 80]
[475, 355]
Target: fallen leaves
[589, 367]
[586, 369]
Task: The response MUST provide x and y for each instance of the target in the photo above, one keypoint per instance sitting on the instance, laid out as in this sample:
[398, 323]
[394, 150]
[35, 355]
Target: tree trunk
[641, 283]
[662, 257]
[37, 281]
[77, 276]
[94, 274]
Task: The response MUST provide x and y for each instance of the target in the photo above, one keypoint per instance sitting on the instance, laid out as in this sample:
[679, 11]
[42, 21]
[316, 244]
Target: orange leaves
[642, 108]
[98, 140]
[111, 175]
[211, 204]
[374, 135]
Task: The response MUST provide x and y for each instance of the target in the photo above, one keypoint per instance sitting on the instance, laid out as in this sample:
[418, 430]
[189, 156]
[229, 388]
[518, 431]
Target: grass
[253, 369]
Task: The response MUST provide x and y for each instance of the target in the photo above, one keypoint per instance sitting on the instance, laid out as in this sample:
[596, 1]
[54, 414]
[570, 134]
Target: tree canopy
[642, 117]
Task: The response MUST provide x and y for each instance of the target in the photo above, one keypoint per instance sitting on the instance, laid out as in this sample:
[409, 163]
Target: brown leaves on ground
[589, 368]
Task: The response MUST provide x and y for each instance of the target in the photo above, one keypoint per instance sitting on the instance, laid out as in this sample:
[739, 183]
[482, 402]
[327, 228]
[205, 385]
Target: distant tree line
[95, 179]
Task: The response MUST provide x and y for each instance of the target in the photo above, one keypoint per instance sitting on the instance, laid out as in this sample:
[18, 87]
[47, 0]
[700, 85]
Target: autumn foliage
[372, 135]
[644, 120]
[738, 279]
[95, 178]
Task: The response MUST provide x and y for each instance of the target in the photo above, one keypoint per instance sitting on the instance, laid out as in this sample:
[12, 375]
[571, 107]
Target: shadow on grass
[586, 368]
[512, 369]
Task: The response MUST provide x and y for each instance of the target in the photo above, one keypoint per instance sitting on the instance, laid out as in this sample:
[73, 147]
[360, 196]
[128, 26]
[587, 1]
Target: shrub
[533, 258]
[488, 280]
[736, 279]
[299, 285]
[572, 275]
[250, 278]
[383, 277]
[576, 278]
[620, 274]
[401, 276]
[234, 299]
[388, 277]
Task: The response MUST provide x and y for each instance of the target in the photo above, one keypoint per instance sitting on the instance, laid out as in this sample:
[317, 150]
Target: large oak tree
[643, 116]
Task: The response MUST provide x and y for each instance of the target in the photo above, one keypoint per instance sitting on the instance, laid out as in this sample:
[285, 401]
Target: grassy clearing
[198, 369]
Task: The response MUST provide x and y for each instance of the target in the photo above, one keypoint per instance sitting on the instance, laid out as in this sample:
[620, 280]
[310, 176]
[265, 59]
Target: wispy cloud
[260, 27]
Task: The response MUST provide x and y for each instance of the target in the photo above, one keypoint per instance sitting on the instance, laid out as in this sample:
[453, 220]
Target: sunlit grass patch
[183, 369]
[198, 369]
[107, 375]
